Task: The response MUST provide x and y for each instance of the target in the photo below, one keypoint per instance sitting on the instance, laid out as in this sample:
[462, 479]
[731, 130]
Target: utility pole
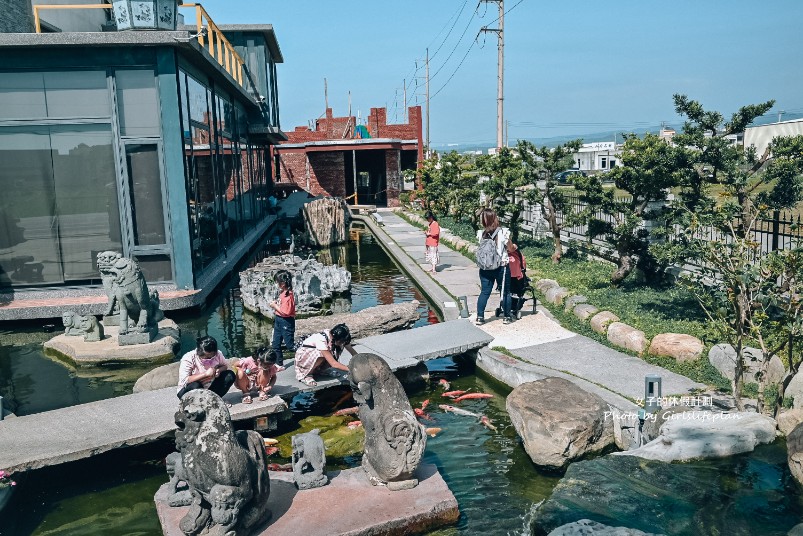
[404, 85]
[427, 90]
[500, 85]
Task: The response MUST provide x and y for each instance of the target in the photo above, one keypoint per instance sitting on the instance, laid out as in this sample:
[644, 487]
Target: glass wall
[59, 206]
[224, 173]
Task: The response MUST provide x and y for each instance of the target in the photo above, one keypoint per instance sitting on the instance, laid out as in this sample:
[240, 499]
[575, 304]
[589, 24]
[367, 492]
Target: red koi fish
[347, 411]
[421, 415]
[270, 451]
[354, 424]
[486, 422]
[280, 467]
[453, 394]
[443, 383]
[473, 396]
[424, 404]
[432, 432]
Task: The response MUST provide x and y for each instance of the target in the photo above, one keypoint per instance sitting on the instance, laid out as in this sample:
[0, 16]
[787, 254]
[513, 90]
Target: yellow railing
[38, 23]
[216, 43]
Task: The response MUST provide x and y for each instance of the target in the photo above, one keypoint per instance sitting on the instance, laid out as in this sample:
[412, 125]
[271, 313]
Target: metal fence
[782, 231]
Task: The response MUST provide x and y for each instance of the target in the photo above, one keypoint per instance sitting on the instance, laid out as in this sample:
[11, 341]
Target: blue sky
[570, 67]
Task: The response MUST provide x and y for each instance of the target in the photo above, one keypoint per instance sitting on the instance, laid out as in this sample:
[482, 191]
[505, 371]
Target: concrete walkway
[536, 338]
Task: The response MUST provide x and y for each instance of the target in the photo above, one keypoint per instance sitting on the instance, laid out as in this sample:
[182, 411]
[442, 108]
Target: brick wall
[16, 16]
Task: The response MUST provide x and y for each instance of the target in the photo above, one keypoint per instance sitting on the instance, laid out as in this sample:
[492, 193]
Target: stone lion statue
[394, 439]
[70, 320]
[226, 471]
[91, 328]
[309, 460]
[128, 293]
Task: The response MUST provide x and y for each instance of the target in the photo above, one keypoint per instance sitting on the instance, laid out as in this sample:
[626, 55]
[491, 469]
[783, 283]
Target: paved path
[77, 432]
[538, 338]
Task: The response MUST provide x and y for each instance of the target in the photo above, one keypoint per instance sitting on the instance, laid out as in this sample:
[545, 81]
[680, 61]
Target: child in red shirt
[256, 372]
[284, 321]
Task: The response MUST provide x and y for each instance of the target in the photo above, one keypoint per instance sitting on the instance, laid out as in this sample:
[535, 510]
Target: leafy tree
[650, 167]
[551, 199]
[505, 173]
[738, 282]
[449, 186]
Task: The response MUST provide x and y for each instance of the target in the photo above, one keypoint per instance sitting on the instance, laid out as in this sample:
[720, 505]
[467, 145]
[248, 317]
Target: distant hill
[592, 137]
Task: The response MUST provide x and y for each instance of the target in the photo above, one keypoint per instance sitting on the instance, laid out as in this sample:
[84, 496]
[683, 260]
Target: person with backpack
[492, 260]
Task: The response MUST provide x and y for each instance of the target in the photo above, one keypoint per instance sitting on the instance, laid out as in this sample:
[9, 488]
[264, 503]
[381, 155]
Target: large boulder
[543, 284]
[600, 321]
[794, 449]
[788, 420]
[701, 498]
[326, 221]
[723, 358]
[586, 526]
[627, 337]
[680, 346]
[695, 435]
[559, 422]
[795, 390]
[571, 301]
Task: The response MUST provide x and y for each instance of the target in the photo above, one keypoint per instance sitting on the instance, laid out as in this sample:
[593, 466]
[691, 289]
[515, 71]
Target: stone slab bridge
[77, 432]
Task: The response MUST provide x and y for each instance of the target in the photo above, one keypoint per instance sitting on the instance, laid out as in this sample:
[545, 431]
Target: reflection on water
[31, 382]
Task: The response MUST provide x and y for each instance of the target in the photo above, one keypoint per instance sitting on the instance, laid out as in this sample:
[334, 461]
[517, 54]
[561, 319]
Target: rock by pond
[739, 496]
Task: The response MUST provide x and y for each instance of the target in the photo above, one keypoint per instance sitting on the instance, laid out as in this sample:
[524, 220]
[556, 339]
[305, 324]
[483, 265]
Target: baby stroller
[518, 296]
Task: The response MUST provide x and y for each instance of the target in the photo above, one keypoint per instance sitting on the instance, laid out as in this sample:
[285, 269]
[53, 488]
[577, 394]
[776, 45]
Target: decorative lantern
[145, 14]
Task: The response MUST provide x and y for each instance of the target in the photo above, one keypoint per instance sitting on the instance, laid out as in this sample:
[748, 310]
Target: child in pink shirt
[257, 372]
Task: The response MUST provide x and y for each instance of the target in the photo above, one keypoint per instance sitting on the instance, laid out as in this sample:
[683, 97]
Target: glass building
[139, 142]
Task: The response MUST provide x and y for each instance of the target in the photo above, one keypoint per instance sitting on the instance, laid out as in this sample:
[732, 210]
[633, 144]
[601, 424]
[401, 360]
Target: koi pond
[495, 483]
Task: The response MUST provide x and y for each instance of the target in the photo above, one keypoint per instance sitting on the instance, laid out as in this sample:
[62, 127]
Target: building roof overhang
[267, 32]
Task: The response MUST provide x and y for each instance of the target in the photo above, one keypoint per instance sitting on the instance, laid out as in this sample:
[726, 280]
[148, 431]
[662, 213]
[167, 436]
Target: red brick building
[338, 157]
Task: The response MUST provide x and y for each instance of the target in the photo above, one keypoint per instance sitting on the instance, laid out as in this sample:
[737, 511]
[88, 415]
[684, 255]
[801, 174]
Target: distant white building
[761, 136]
[598, 156]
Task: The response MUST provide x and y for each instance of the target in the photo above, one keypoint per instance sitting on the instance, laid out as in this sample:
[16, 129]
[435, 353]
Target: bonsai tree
[552, 200]
[748, 293]
[505, 174]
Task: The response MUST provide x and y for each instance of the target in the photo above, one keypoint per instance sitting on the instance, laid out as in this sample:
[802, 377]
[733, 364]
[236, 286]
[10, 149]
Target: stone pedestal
[75, 349]
[349, 504]
[138, 337]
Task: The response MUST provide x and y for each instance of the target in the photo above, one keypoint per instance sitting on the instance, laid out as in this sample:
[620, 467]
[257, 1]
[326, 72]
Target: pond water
[488, 471]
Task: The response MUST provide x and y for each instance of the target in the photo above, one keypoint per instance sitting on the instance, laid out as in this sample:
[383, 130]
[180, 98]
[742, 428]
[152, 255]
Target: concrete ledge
[438, 297]
[513, 373]
[77, 351]
[348, 506]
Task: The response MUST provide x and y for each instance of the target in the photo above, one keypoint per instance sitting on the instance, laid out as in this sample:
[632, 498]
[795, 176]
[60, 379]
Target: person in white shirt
[204, 368]
[493, 268]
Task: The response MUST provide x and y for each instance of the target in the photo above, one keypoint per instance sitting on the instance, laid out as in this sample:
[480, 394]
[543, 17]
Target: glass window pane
[86, 196]
[77, 94]
[199, 110]
[22, 96]
[29, 253]
[137, 102]
[142, 162]
[206, 208]
[155, 268]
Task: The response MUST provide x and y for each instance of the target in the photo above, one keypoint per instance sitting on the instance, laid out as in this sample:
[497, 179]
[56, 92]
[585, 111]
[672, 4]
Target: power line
[447, 24]
[456, 68]
[450, 30]
[460, 40]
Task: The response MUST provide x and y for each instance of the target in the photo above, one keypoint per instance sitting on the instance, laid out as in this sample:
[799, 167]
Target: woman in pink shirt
[204, 368]
[433, 238]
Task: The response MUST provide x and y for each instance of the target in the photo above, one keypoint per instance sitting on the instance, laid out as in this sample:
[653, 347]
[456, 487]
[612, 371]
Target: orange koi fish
[443, 383]
[486, 422]
[354, 424]
[347, 411]
[432, 432]
[453, 394]
[280, 467]
[269, 441]
[421, 415]
[473, 396]
[424, 404]
[270, 451]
